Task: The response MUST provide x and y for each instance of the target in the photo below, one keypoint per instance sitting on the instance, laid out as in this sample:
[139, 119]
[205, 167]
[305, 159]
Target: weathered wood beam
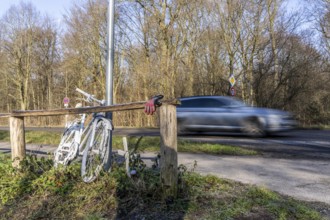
[168, 151]
[112, 108]
[17, 139]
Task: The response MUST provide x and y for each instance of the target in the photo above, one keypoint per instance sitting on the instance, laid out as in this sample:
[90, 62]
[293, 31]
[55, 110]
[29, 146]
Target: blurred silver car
[223, 114]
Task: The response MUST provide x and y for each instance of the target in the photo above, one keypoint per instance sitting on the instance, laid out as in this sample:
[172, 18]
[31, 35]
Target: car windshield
[211, 102]
[232, 102]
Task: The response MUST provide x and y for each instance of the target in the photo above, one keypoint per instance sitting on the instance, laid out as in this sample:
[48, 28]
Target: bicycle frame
[83, 130]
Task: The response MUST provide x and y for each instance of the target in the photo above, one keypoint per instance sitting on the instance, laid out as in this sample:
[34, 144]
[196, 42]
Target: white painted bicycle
[91, 142]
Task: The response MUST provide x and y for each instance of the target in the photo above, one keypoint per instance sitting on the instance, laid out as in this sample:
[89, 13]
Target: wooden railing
[168, 135]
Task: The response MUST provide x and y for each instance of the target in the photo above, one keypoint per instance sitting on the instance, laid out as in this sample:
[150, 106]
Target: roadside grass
[146, 144]
[325, 127]
[4, 136]
[42, 137]
[35, 137]
[316, 126]
[200, 147]
[38, 191]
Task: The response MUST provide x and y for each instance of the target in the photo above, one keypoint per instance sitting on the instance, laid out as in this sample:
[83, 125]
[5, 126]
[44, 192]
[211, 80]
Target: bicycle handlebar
[89, 97]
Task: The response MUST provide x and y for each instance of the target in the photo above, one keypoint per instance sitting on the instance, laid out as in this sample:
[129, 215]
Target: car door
[204, 114]
[208, 114]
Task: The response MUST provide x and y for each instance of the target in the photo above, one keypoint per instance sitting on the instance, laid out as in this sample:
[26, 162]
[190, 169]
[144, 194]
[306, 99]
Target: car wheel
[253, 128]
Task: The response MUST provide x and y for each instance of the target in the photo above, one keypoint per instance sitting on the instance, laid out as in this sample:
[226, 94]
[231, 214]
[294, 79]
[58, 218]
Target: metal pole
[110, 53]
[110, 62]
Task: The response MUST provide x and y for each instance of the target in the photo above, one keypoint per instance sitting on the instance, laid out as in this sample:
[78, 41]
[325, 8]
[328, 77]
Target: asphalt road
[298, 144]
[295, 164]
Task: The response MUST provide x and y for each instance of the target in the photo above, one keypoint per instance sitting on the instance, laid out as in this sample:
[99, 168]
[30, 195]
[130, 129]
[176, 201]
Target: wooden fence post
[17, 139]
[168, 151]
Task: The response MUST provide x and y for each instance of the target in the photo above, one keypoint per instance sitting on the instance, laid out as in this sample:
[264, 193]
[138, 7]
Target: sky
[56, 8]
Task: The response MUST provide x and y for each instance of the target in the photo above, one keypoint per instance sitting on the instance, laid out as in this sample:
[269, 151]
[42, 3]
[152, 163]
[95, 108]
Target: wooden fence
[168, 135]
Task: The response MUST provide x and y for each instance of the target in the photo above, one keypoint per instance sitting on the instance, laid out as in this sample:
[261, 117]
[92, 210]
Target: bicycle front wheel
[97, 155]
[68, 147]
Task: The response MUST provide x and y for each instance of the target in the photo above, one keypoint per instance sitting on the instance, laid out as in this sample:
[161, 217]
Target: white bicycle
[92, 142]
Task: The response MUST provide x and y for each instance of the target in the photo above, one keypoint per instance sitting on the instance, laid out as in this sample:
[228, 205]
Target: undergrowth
[38, 191]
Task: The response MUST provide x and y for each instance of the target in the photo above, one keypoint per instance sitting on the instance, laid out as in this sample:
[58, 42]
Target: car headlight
[274, 120]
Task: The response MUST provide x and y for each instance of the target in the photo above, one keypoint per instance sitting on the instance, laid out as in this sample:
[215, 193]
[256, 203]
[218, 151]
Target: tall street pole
[110, 63]
[110, 53]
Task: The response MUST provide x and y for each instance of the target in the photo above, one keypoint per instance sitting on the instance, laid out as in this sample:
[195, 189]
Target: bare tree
[173, 47]
[170, 38]
[29, 55]
[84, 48]
[19, 25]
[320, 14]
[46, 64]
[229, 17]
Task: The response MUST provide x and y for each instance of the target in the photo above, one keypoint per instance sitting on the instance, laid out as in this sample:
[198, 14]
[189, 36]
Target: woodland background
[280, 58]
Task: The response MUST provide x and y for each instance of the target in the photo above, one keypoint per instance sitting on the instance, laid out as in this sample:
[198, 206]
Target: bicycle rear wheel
[97, 155]
[68, 147]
